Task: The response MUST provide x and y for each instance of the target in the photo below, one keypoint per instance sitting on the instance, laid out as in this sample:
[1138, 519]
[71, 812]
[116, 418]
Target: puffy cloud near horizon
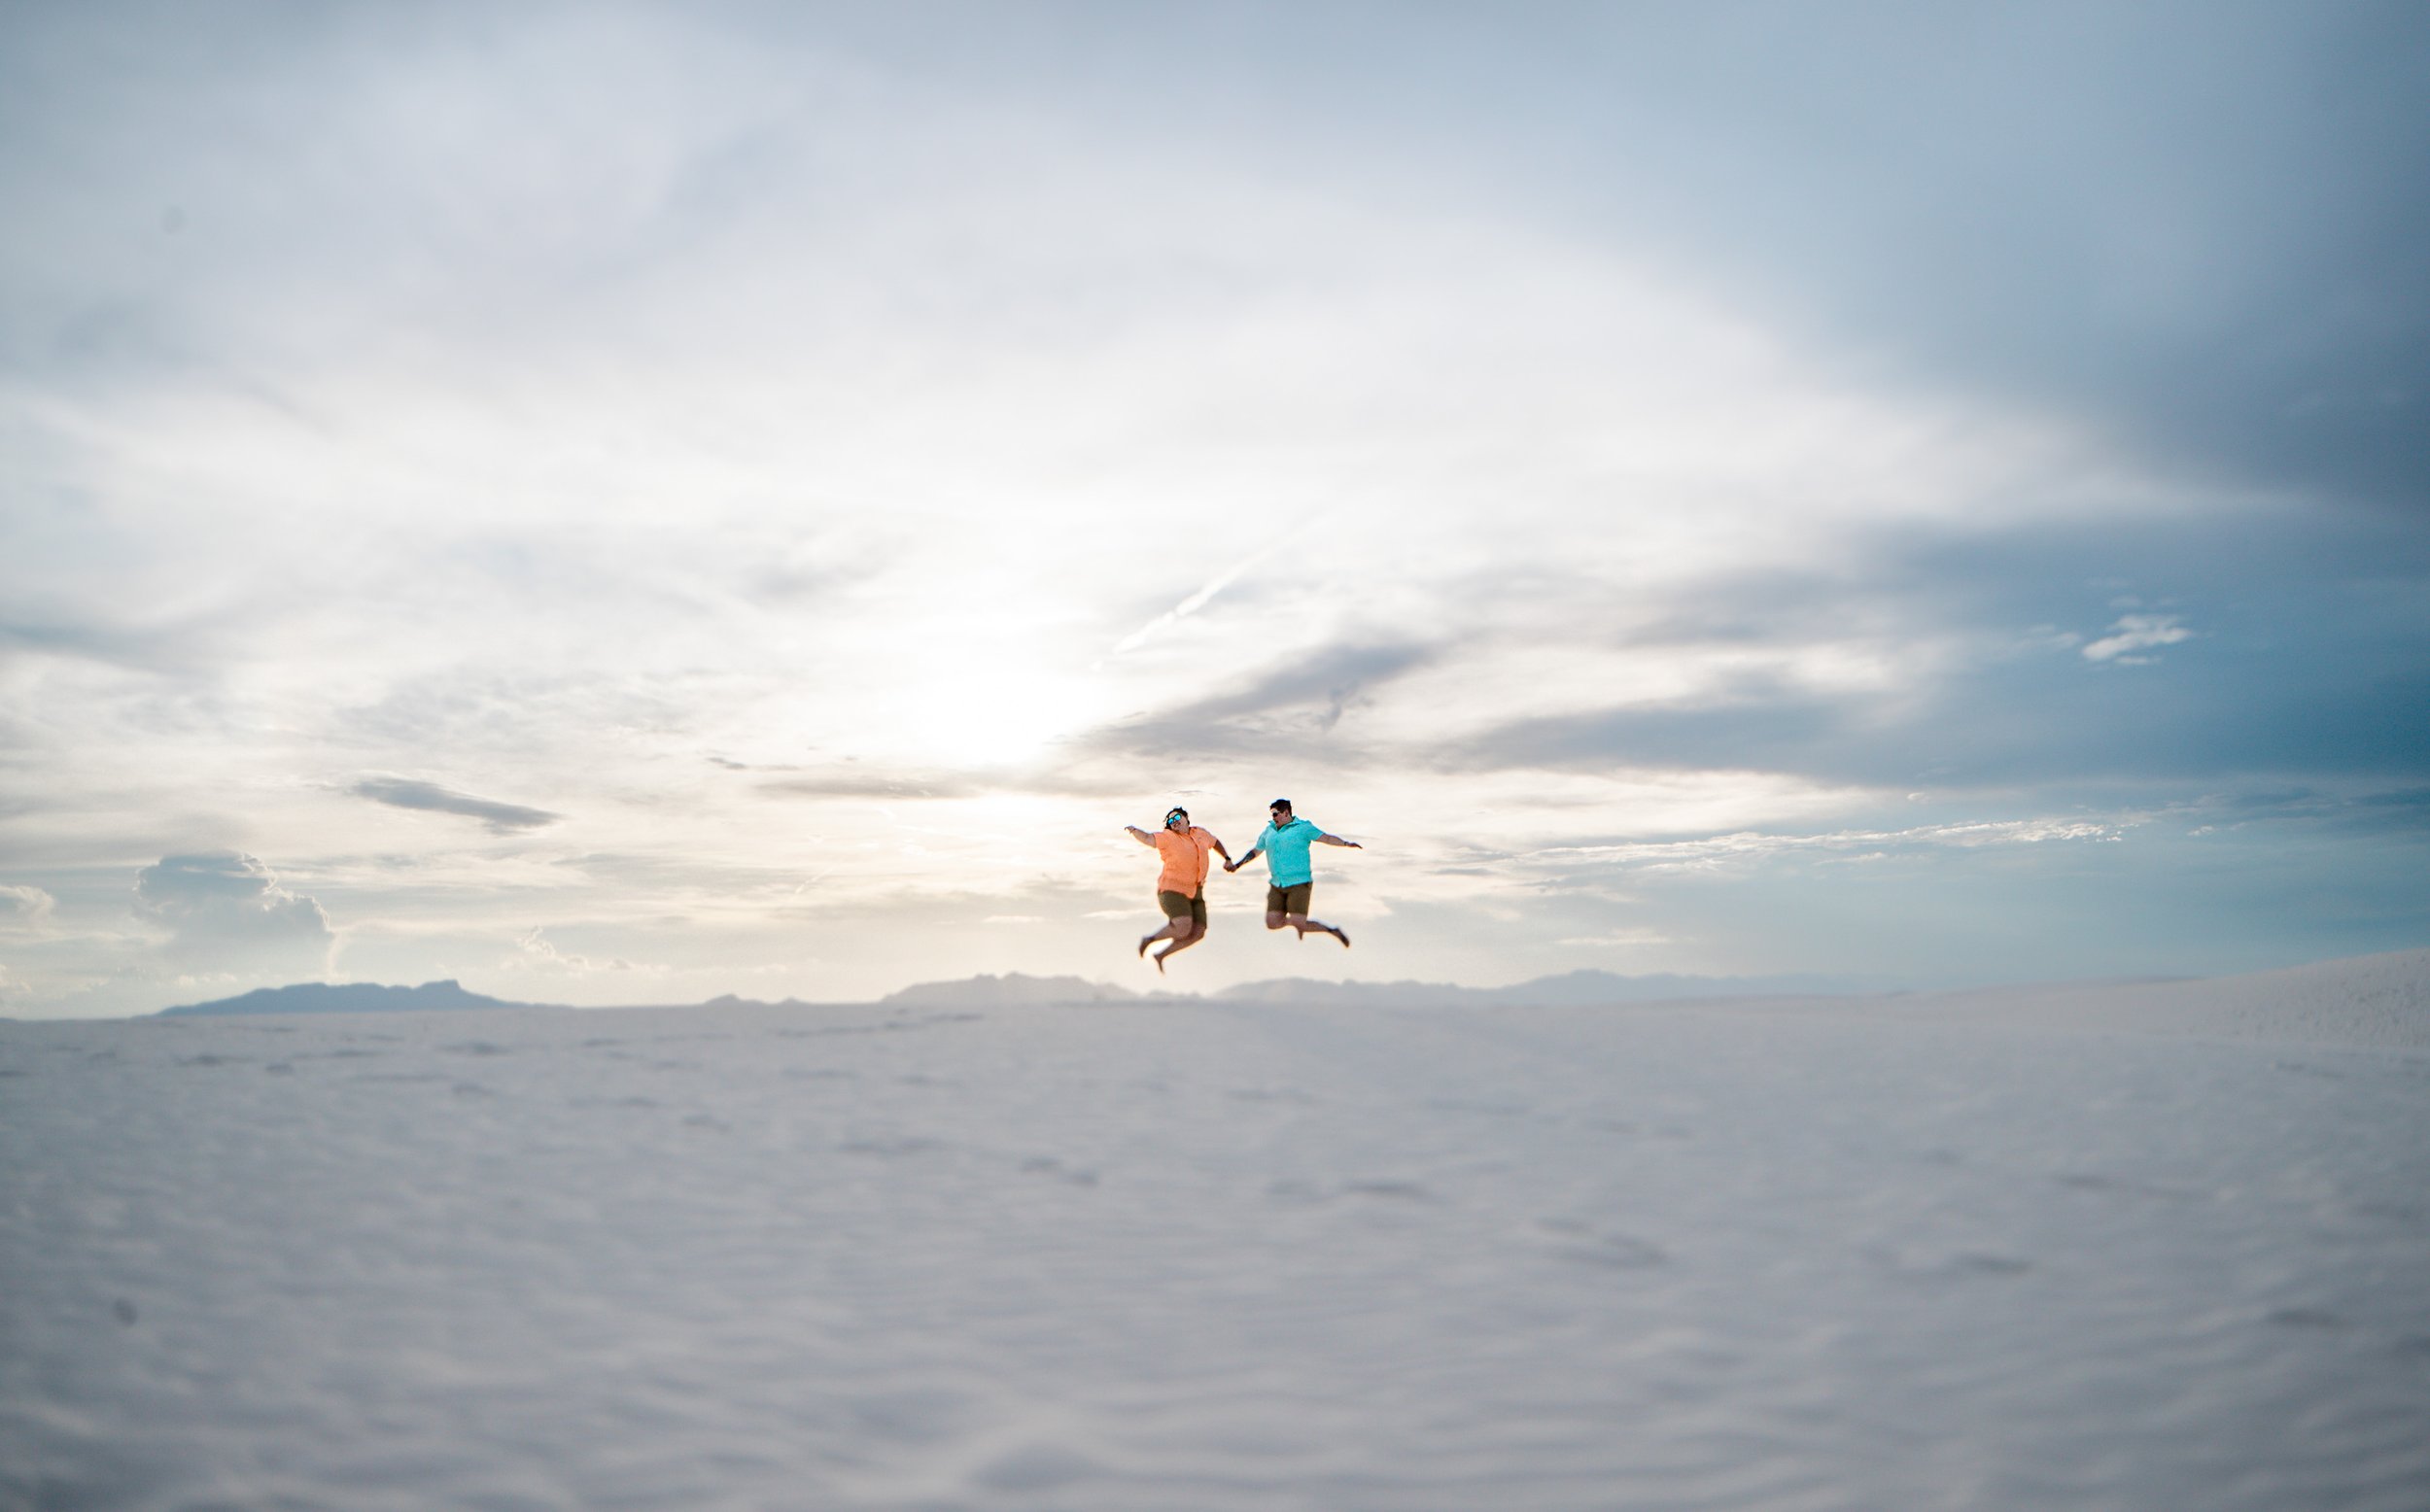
[227, 912]
[534, 951]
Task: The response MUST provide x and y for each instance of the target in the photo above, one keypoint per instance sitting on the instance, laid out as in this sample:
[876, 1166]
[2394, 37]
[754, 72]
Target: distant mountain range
[1010, 990]
[1573, 990]
[346, 997]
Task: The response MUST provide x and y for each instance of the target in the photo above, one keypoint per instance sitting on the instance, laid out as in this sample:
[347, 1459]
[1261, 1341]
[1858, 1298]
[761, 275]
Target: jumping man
[1181, 887]
[1290, 878]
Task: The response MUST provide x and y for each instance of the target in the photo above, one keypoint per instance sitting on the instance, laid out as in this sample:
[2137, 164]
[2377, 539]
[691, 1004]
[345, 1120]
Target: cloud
[96, 642]
[503, 818]
[535, 952]
[2197, 259]
[2408, 809]
[878, 784]
[25, 908]
[226, 910]
[2138, 633]
[2313, 628]
[1065, 777]
[2399, 811]
[1716, 851]
[1617, 939]
[1281, 712]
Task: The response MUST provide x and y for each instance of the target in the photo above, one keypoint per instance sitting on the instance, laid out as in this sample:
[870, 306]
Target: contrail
[1197, 601]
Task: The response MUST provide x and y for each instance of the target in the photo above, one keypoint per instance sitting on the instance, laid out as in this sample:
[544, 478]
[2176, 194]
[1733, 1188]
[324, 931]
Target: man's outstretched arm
[1335, 839]
[1255, 851]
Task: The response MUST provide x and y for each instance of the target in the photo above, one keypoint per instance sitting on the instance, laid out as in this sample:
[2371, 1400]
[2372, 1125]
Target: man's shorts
[1180, 905]
[1289, 900]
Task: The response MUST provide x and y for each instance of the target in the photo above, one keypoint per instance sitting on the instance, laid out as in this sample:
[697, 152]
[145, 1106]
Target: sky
[624, 503]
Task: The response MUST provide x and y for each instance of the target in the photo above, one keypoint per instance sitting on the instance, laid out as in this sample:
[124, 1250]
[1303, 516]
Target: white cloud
[25, 909]
[1719, 850]
[1618, 939]
[535, 952]
[227, 912]
[2138, 633]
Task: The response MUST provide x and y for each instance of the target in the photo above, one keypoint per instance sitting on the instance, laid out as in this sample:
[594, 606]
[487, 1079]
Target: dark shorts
[1178, 905]
[1289, 900]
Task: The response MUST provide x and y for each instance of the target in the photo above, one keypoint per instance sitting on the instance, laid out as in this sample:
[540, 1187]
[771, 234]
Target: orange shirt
[1185, 860]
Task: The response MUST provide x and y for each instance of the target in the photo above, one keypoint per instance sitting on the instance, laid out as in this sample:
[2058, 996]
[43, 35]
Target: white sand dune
[2161, 1246]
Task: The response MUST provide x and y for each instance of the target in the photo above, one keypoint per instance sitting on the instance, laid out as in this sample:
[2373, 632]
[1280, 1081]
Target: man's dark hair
[1281, 803]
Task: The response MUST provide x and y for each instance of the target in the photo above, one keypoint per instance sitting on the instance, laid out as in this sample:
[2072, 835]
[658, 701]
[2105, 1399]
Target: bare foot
[1343, 935]
[1144, 942]
[1158, 959]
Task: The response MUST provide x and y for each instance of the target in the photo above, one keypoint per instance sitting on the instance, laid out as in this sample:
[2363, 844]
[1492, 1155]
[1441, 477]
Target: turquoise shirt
[1286, 853]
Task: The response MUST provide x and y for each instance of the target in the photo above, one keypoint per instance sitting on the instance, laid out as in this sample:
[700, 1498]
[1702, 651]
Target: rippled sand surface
[1209, 1257]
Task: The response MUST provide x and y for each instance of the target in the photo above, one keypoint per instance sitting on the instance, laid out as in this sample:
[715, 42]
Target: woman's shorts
[1180, 905]
[1289, 900]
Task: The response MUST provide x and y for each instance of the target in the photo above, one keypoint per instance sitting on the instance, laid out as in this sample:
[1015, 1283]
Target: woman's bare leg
[1173, 929]
[1180, 943]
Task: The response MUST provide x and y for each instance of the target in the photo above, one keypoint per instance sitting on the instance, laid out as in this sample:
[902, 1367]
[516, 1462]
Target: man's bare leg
[1303, 923]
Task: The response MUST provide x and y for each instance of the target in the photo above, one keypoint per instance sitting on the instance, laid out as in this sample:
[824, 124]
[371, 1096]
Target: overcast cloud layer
[628, 504]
